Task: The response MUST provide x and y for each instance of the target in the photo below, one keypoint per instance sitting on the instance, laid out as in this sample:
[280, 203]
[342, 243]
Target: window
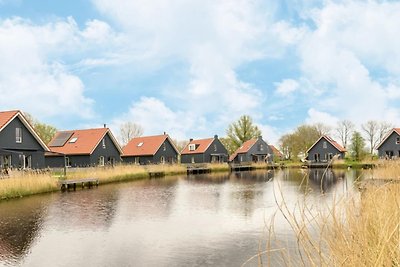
[18, 135]
[241, 158]
[27, 162]
[162, 160]
[215, 147]
[67, 162]
[103, 143]
[73, 140]
[261, 147]
[137, 160]
[192, 147]
[140, 144]
[101, 161]
[192, 159]
[164, 147]
[325, 145]
[397, 140]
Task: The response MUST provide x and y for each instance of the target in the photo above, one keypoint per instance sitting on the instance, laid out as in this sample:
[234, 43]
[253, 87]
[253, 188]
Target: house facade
[209, 150]
[83, 148]
[158, 149]
[389, 148]
[20, 146]
[253, 150]
[324, 149]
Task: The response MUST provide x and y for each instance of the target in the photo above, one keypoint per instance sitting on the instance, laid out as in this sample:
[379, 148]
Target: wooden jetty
[241, 167]
[197, 169]
[89, 182]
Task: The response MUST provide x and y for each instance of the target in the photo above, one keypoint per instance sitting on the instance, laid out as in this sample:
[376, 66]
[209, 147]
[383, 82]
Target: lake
[218, 219]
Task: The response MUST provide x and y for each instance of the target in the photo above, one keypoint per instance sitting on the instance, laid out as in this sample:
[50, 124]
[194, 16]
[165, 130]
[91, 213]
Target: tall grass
[359, 229]
[387, 169]
[27, 184]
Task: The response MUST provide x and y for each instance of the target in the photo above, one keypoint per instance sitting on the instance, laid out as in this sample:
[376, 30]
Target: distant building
[276, 152]
[83, 148]
[389, 148]
[254, 150]
[324, 149]
[150, 150]
[20, 146]
[209, 150]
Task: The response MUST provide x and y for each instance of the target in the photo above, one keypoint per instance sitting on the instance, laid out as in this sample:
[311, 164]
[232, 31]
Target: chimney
[191, 139]
[105, 125]
[165, 133]
[260, 137]
[216, 136]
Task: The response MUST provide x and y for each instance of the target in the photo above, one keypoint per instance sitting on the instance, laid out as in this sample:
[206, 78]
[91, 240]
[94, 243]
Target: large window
[101, 161]
[325, 145]
[18, 135]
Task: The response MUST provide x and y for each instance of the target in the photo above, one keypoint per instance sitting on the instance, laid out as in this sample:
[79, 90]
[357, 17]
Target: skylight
[140, 144]
[73, 140]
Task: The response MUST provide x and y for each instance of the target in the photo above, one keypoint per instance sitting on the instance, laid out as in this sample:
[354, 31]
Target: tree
[239, 132]
[299, 141]
[344, 129]
[46, 132]
[180, 145]
[322, 129]
[128, 131]
[384, 128]
[357, 146]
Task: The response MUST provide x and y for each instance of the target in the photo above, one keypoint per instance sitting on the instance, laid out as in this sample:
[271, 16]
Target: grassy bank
[23, 184]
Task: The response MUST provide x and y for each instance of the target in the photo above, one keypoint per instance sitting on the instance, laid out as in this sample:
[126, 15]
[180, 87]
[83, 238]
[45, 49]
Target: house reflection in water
[20, 224]
[325, 179]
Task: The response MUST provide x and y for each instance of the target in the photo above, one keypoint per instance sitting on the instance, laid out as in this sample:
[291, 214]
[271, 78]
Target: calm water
[204, 220]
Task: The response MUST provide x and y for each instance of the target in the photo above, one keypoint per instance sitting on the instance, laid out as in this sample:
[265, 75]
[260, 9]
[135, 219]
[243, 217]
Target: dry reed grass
[387, 169]
[27, 184]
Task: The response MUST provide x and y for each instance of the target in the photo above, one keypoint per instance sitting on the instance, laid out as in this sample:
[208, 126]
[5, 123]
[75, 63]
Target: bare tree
[128, 131]
[384, 128]
[322, 129]
[371, 128]
[344, 130]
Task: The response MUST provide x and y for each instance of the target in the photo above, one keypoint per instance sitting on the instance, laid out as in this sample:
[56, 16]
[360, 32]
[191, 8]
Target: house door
[27, 162]
[316, 157]
[389, 154]
[254, 158]
[214, 159]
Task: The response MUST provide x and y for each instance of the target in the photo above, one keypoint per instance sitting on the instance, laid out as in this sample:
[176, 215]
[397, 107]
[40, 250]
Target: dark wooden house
[209, 150]
[389, 147]
[150, 150]
[324, 149]
[20, 146]
[253, 150]
[83, 148]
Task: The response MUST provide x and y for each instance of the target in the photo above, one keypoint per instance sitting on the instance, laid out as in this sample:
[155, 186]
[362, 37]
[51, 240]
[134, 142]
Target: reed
[219, 167]
[387, 169]
[21, 185]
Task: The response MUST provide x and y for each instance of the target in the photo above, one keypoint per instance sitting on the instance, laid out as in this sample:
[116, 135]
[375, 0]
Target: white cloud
[315, 116]
[270, 134]
[286, 87]
[32, 77]
[352, 43]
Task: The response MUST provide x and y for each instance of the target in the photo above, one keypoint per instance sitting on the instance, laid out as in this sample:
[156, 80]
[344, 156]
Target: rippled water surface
[203, 220]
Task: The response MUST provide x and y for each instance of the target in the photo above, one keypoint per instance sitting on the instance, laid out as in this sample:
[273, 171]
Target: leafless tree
[371, 129]
[322, 129]
[384, 128]
[344, 130]
[128, 131]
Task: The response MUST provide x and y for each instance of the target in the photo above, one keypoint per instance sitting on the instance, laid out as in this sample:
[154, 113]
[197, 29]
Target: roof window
[140, 144]
[73, 140]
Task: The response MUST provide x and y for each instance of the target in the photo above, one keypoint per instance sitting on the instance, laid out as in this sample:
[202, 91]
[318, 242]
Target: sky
[190, 68]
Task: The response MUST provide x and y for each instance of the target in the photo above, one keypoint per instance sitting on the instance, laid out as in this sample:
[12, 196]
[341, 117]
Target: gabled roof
[244, 148]
[146, 145]
[331, 141]
[201, 146]
[276, 151]
[81, 142]
[396, 130]
[8, 116]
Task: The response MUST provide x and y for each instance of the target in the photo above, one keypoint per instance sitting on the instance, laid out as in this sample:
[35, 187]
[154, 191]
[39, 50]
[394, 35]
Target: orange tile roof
[87, 141]
[6, 116]
[244, 148]
[149, 145]
[201, 146]
[276, 152]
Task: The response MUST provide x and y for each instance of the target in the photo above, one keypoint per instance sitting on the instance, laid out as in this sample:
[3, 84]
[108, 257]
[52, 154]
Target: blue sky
[192, 67]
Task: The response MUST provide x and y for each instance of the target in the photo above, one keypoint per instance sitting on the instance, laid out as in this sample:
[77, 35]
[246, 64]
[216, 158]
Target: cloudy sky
[191, 67]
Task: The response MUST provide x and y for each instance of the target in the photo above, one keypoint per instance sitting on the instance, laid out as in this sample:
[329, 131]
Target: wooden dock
[197, 169]
[72, 184]
[241, 167]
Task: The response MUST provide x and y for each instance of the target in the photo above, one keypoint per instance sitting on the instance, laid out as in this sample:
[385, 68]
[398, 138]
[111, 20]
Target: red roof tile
[86, 141]
[201, 146]
[276, 152]
[6, 116]
[244, 148]
[145, 145]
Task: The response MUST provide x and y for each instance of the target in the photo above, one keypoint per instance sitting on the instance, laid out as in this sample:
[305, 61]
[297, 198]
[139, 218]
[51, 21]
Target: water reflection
[201, 220]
